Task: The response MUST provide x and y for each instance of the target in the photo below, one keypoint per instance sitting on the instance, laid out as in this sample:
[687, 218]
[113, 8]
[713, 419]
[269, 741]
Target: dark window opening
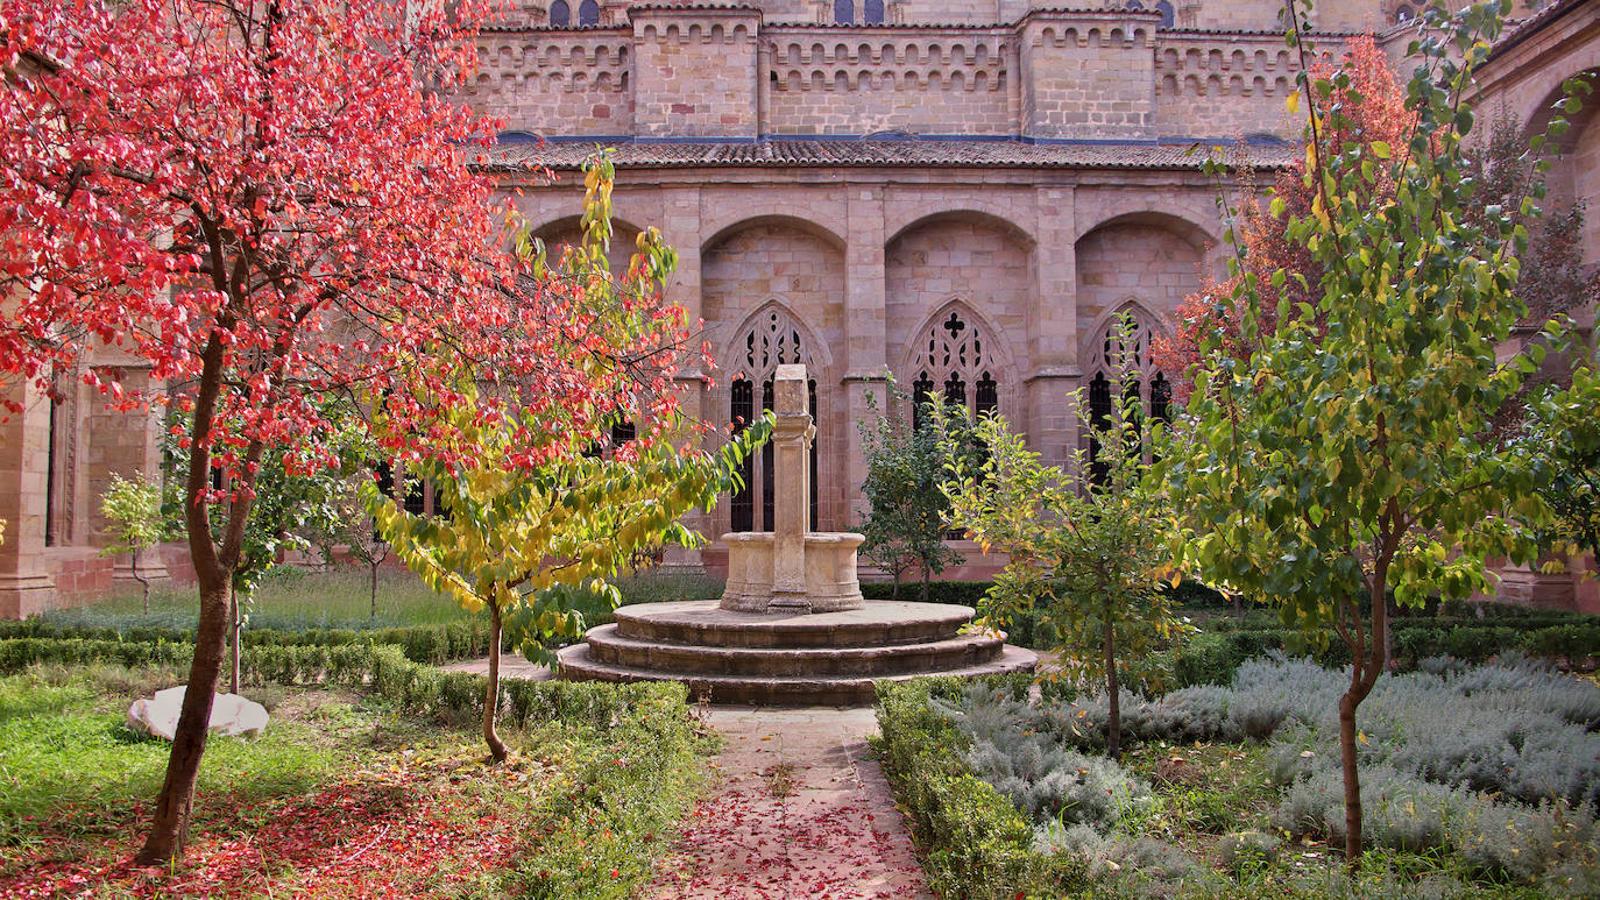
[766, 464]
[560, 14]
[921, 393]
[588, 13]
[1168, 16]
[988, 399]
[622, 433]
[1099, 421]
[51, 470]
[742, 411]
[416, 501]
[811, 515]
[872, 12]
[844, 11]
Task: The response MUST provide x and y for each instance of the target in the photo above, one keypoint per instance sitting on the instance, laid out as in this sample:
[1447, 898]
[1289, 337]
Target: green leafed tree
[1089, 545]
[905, 529]
[507, 535]
[1352, 456]
[132, 507]
[534, 497]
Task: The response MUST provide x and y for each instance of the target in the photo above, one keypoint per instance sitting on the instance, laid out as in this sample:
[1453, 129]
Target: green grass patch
[348, 792]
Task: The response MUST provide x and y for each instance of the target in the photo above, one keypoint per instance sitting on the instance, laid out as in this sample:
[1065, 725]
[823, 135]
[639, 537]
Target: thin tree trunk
[491, 698]
[213, 570]
[924, 583]
[170, 830]
[144, 583]
[1368, 659]
[1113, 690]
[373, 585]
[234, 629]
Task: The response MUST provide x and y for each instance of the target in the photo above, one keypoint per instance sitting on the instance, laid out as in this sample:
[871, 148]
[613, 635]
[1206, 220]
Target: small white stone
[231, 714]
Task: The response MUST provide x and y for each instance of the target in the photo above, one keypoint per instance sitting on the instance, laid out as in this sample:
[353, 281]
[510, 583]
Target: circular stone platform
[787, 659]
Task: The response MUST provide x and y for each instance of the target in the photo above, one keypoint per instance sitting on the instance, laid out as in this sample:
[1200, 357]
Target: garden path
[800, 809]
[512, 665]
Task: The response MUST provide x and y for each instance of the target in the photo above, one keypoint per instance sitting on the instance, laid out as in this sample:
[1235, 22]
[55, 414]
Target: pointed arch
[771, 336]
[959, 353]
[1111, 365]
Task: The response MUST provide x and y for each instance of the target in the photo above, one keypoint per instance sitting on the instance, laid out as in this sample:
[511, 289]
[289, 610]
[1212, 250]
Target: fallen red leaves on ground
[390, 835]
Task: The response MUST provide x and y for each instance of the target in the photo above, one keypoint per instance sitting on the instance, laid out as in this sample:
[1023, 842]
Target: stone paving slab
[800, 809]
[512, 665]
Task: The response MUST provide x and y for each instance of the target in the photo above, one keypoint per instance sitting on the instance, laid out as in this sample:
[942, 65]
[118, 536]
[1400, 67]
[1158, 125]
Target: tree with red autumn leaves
[264, 201]
[1380, 115]
[1553, 280]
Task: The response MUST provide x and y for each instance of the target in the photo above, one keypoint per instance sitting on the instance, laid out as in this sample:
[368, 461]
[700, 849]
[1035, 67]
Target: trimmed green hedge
[421, 643]
[1212, 657]
[382, 670]
[976, 843]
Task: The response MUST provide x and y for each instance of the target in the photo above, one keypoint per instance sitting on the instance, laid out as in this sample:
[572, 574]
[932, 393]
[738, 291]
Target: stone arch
[768, 267]
[794, 215]
[1141, 261]
[1142, 207]
[1574, 176]
[1112, 367]
[996, 214]
[565, 230]
[771, 336]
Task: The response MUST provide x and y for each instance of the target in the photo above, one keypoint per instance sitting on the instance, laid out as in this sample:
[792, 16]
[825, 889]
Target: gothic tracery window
[953, 360]
[1144, 386]
[773, 340]
[589, 13]
[560, 14]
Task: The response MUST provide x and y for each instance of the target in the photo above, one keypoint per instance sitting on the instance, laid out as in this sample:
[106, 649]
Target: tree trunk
[144, 583]
[233, 635]
[1113, 701]
[491, 697]
[170, 829]
[1367, 661]
[213, 569]
[1352, 777]
[924, 583]
[372, 584]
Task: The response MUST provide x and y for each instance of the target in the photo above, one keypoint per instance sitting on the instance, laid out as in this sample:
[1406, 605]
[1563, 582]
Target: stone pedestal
[792, 570]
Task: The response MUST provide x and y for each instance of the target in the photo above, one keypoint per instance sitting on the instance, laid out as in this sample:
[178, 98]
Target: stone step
[828, 690]
[880, 623]
[608, 646]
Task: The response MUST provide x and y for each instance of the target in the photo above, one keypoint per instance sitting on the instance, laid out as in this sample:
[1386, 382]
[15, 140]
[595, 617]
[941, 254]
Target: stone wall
[697, 73]
[930, 82]
[1088, 75]
[577, 83]
[1208, 86]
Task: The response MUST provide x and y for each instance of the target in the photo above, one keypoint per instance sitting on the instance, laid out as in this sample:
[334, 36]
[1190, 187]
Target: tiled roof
[779, 153]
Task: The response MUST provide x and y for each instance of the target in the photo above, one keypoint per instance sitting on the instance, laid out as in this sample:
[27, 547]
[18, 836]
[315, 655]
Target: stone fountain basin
[830, 566]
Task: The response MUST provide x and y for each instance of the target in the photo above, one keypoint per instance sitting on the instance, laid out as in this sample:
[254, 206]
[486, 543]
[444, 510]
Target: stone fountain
[792, 626]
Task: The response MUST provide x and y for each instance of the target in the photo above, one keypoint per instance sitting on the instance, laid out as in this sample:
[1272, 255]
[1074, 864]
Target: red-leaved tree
[1258, 222]
[261, 200]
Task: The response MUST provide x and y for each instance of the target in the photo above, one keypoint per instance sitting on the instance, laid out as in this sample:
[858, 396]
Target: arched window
[1135, 5]
[844, 12]
[588, 13]
[872, 12]
[773, 340]
[560, 14]
[1168, 15]
[952, 359]
[1145, 386]
[1404, 13]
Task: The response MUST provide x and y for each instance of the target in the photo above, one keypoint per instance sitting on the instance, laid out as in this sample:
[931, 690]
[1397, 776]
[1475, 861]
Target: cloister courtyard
[799, 449]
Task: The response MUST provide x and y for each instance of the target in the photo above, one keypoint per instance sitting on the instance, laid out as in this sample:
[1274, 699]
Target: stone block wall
[1224, 88]
[931, 82]
[575, 84]
[695, 73]
[1088, 76]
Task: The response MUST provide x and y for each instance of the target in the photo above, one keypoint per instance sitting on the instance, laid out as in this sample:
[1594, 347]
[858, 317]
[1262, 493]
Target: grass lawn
[294, 599]
[340, 797]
